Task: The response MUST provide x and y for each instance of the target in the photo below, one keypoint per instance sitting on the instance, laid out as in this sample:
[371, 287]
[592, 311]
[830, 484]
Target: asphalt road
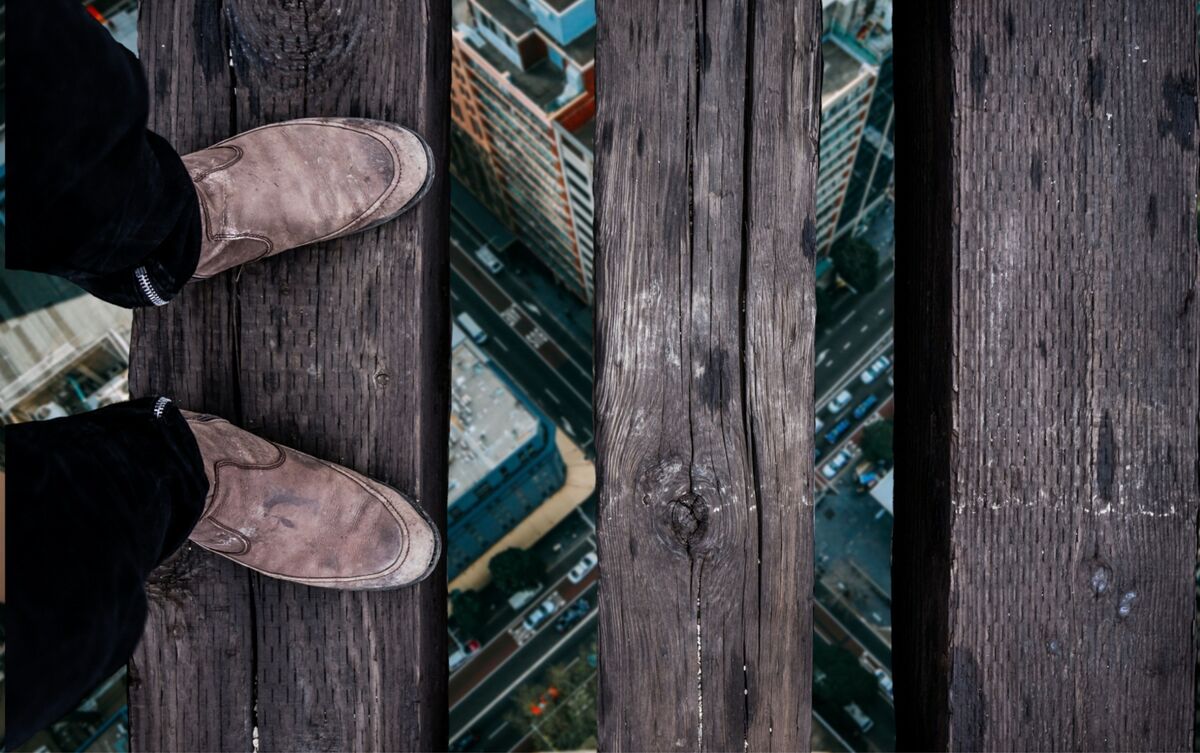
[523, 350]
[500, 647]
[857, 323]
[483, 711]
[554, 309]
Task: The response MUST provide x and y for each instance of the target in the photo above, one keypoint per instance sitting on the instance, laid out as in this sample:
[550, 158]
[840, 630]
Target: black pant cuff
[159, 277]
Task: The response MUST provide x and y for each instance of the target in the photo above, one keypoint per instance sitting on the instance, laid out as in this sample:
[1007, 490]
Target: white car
[877, 367]
[539, 615]
[489, 259]
[864, 722]
[838, 403]
[583, 567]
[835, 464]
[885, 682]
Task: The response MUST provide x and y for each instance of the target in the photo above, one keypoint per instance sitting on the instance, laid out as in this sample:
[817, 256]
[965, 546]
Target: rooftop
[560, 5]
[544, 81]
[488, 423]
[508, 15]
[582, 51]
[842, 69]
[883, 491]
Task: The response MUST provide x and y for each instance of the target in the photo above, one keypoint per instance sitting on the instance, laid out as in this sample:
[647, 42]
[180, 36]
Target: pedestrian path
[580, 483]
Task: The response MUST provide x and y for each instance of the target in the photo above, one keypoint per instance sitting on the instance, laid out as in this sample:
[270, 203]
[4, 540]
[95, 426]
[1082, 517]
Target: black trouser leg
[94, 503]
[92, 195]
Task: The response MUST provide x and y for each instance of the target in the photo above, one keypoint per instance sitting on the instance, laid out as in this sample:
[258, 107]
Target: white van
[472, 328]
[864, 722]
[489, 259]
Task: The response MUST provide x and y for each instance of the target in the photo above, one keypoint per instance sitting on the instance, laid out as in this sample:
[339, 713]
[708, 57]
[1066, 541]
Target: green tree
[515, 570]
[877, 442]
[856, 262]
[469, 610]
[824, 305]
[845, 680]
[566, 721]
[571, 724]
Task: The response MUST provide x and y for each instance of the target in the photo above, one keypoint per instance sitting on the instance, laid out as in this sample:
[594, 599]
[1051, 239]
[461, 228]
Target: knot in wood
[688, 518]
[678, 498]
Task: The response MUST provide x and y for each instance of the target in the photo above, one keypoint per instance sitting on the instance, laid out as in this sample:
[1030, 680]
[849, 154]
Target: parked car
[572, 615]
[489, 259]
[865, 406]
[837, 463]
[864, 722]
[521, 598]
[539, 614]
[583, 567]
[885, 682]
[832, 435]
[877, 367]
[866, 474]
[472, 328]
[460, 656]
[838, 403]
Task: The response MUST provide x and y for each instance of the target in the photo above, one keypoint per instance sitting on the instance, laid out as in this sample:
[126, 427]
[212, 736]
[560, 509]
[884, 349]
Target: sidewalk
[580, 483]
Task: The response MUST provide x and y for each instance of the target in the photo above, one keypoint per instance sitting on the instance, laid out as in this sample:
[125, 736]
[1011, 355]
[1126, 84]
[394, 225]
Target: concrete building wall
[535, 160]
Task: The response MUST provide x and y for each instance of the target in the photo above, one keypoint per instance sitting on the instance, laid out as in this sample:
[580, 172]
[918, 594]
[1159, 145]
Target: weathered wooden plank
[706, 173]
[340, 350]
[1048, 337]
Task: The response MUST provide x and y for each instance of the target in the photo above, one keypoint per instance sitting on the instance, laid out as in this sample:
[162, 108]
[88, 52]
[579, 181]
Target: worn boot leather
[291, 516]
[302, 181]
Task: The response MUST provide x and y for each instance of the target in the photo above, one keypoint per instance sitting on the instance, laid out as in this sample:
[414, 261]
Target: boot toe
[414, 170]
[422, 549]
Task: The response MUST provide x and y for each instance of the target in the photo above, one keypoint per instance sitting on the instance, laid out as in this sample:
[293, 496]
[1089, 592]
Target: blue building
[504, 462]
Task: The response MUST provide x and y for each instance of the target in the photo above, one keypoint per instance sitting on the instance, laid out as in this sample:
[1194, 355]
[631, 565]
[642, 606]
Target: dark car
[574, 614]
[865, 406]
[832, 435]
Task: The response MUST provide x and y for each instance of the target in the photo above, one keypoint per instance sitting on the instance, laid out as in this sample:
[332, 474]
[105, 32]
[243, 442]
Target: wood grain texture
[340, 350]
[1048, 337]
[706, 170]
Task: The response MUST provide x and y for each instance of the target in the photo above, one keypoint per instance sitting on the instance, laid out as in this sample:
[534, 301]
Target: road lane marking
[883, 343]
[538, 353]
[483, 274]
[498, 730]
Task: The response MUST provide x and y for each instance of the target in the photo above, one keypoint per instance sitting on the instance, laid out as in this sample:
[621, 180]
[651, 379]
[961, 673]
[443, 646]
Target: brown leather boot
[291, 516]
[302, 181]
